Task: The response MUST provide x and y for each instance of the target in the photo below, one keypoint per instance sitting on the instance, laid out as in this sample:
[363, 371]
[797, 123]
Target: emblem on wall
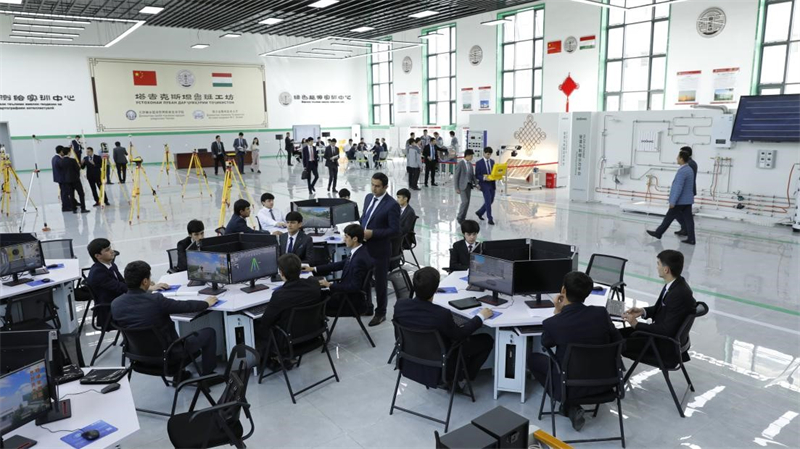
[570, 44]
[185, 78]
[475, 55]
[131, 114]
[285, 98]
[711, 22]
[407, 64]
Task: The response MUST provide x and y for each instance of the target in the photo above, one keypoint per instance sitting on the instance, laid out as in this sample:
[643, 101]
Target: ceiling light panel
[38, 19]
[323, 3]
[49, 27]
[271, 21]
[423, 14]
[362, 29]
[65, 39]
[200, 46]
[150, 10]
[43, 33]
[231, 35]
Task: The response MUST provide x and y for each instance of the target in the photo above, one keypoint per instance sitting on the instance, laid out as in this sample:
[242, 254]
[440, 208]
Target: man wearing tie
[465, 181]
[482, 171]
[381, 222]
[431, 160]
[310, 163]
[77, 147]
[58, 177]
[269, 216]
[295, 241]
[218, 151]
[332, 162]
[92, 163]
[288, 145]
[459, 254]
[240, 145]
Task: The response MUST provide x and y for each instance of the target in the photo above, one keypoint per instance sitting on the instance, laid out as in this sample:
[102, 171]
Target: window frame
[501, 71]
[372, 83]
[757, 86]
[451, 27]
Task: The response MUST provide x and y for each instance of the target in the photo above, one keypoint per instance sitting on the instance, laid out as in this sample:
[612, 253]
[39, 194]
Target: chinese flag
[144, 78]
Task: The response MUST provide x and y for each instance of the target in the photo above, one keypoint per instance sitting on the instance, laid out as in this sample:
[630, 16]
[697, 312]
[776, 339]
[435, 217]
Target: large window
[441, 76]
[636, 55]
[780, 49]
[382, 85]
[523, 49]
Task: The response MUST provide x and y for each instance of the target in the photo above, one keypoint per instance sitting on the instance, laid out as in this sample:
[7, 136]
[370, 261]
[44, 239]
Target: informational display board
[300, 132]
[138, 95]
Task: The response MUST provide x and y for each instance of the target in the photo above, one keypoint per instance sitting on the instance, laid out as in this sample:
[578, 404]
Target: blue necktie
[368, 213]
[291, 245]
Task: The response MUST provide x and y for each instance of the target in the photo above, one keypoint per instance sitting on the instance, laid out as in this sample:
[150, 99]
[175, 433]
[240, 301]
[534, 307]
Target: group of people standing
[240, 147]
[425, 150]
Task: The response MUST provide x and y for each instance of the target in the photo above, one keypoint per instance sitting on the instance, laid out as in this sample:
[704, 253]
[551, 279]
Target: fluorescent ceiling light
[300, 52]
[362, 29]
[331, 49]
[55, 27]
[271, 21]
[423, 14]
[66, 39]
[651, 5]
[497, 22]
[323, 3]
[43, 33]
[150, 10]
[232, 35]
[37, 19]
[340, 44]
[13, 2]
[127, 32]
[200, 46]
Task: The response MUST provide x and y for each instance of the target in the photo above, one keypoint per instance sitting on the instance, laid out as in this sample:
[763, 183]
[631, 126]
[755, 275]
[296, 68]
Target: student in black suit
[218, 151]
[71, 171]
[295, 292]
[196, 231]
[572, 322]
[459, 254]
[407, 213]
[332, 162]
[77, 147]
[288, 145]
[58, 177]
[675, 303]
[354, 272]
[104, 277]
[92, 163]
[238, 222]
[421, 313]
[294, 240]
[431, 158]
[310, 163]
[240, 145]
[141, 308]
[381, 222]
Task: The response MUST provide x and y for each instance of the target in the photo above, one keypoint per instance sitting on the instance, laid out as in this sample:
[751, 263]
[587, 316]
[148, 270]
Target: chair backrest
[401, 283]
[57, 249]
[397, 251]
[593, 365]
[173, 258]
[424, 347]
[241, 362]
[700, 309]
[410, 240]
[143, 345]
[320, 254]
[383, 155]
[31, 311]
[605, 269]
[306, 323]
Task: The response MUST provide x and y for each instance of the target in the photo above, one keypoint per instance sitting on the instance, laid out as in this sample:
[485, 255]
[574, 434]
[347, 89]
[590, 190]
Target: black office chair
[304, 331]
[84, 294]
[671, 349]
[587, 366]
[321, 254]
[427, 348]
[58, 249]
[101, 322]
[401, 284]
[172, 254]
[609, 271]
[396, 258]
[410, 242]
[346, 299]
[31, 311]
[150, 354]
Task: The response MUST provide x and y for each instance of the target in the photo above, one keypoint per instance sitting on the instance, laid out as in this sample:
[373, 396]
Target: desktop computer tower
[510, 429]
[468, 436]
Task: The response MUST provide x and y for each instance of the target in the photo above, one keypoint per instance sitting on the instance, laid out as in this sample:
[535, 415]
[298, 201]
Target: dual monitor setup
[520, 267]
[232, 259]
[325, 213]
[20, 253]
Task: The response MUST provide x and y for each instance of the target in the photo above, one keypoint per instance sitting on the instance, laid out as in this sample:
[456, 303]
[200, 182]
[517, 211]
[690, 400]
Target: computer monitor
[315, 216]
[253, 264]
[513, 249]
[491, 273]
[538, 277]
[19, 257]
[26, 397]
[345, 213]
[208, 267]
[21, 348]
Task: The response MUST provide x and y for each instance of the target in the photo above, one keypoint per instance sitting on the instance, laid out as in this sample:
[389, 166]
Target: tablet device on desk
[103, 376]
[465, 303]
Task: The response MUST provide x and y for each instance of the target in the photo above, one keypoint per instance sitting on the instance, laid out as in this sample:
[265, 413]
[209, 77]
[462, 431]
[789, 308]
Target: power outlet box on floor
[766, 159]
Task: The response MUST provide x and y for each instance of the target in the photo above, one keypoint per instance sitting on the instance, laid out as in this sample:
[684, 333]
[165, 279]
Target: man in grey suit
[119, 153]
[465, 181]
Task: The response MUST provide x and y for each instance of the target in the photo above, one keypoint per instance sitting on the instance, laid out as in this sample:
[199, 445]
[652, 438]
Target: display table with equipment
[206, 159]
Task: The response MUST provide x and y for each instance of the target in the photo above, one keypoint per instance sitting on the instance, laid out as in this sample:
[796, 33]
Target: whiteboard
[302, 132]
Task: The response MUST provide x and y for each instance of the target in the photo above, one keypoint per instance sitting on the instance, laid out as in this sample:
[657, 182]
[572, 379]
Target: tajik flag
[222, 79]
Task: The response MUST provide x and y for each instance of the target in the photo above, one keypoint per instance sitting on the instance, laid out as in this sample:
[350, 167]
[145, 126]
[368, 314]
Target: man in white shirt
[269, 216]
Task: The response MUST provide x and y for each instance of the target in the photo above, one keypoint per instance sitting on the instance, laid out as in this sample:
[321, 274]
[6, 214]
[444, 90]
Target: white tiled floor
[745, 363]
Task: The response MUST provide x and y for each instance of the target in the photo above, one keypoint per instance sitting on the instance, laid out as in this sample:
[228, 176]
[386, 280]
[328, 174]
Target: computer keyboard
[256, 312]
[460, 320]
[71, 373]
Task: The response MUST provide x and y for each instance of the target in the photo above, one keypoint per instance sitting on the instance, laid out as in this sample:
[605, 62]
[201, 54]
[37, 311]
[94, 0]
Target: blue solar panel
[767, 118]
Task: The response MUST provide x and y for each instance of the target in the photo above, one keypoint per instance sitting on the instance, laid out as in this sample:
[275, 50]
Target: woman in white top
[254, 150]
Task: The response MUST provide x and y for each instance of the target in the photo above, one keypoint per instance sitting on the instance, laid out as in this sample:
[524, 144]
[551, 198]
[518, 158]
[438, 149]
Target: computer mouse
[109, 388]
[91, 435]
[45, 280]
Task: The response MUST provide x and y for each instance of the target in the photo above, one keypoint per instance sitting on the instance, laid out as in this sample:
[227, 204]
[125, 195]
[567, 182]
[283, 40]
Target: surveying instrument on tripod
[9, 175]
[138, 173]
[166, 163]
[199, 172]
[233, 177]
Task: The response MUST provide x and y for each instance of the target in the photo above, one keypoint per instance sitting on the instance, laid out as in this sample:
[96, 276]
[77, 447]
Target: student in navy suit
[483, 169]
[67, 203]
[310, 163]
[294, 240]
[459, 253]
[332, 162]
[92, 163]
[381, 222]
[238, 222]
[240, 145]
[354, 272]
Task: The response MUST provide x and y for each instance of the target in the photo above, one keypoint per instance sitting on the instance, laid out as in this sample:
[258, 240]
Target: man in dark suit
[240, 145]
[459, 254]
[381, 222]
[196, 231]
[431, 158]
[294, 240]
[218, 151]
[354, 273]
[310, 163]
[71, 171]
[482, 170]
[572, 322]
[238, 222]
[675, 303]
[682, 232]
[104, 277]
[141, 308]
[93, 163]
[77, 147]
[421, 313]
[407, 213]
[288, 145]
[120, 155]
[67, 203]
[332, 162]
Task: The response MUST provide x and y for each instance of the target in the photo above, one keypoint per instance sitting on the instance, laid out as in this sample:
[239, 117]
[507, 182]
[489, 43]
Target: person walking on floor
[92, 163]
[332, 162]
[254, 154]
[218, 151]
[482, 171]
[310, 164]
[413, 159]
[240, 145]
[120, 155]
[464, 183]
[681, 198]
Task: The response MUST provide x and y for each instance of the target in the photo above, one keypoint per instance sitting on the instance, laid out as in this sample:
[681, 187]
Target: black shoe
[251, 170]
[426, 185]
[435, 185]
[681, 233]
[110, 183]
[85, 211]
[377, 319]
[688, 242]
[653, 234]
[480, 217]
[576, 418]
[368, 312]
[491, 222]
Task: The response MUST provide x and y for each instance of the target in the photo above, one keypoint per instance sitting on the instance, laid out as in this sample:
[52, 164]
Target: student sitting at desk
[294, 240]
[238, 222]
[269, 216]
[407, 212]
[572, 322]
[196, 231]
[344, 194]
[421, 313]
[104, 277]
[140, 308]
[354, 271]
[459, 254]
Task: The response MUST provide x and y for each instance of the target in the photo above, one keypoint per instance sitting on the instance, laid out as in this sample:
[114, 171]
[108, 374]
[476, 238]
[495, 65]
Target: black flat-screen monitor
[767, 118]
[254, 264]
[21, 348]
[26, 396]
[513, 249]
[207, 267]
[538, 277]
[491, 273]
[316, 216]
[20, 257]
[257, 240]
[345, 213]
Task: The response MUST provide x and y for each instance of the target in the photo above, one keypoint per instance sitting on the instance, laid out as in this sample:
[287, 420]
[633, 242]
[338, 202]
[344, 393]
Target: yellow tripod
[9, 175]
[138, 173]
[194, 162]
[231, 174]
[166, 163]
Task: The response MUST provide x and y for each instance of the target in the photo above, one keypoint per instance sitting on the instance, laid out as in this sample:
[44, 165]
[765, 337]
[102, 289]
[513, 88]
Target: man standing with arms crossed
[465, 181]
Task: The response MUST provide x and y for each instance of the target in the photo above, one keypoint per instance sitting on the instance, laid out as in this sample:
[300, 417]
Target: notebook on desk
[465, 303]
